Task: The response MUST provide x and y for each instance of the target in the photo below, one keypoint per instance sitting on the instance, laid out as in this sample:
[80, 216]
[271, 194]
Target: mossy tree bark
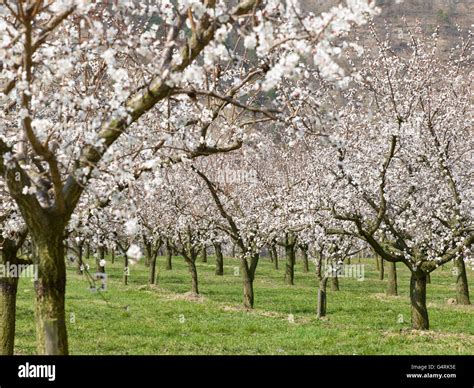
[8, 292]
[462, 287]
[50, 290]
[46, 228]
[419, 312]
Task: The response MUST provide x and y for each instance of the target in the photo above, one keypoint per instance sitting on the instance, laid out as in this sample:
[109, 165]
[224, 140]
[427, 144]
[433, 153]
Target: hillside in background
[447, 14]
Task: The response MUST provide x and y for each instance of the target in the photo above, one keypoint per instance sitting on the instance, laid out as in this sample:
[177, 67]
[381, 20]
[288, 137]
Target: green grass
[163, 320]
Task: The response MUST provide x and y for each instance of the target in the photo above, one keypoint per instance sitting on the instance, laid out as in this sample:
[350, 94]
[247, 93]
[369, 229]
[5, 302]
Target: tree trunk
[80, 263]
[169, 254]
[419, 312]
[50, 293]
[148, 252]
[219, 259]
[204, 255]
[100, 256]
[8, 291]
[377, 263]
[270, 253]
[304, 252]
[194, 277]
[381, 268]
[462, 287]
[319, 265]
[275, 256]
[392, 287]
[334, 282]
[290, 264]
[233, 250]
[152, 278]
[322, 298]
[113, 255]
[248, 288]
[126, 269]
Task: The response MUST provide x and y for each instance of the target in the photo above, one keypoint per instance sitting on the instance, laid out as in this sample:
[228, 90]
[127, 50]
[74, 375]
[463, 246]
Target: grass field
[163, 319]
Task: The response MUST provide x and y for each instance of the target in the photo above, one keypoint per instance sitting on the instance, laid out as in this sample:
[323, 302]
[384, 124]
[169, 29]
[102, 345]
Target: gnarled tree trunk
[8, 291]
[419, 312]
[51, 332]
